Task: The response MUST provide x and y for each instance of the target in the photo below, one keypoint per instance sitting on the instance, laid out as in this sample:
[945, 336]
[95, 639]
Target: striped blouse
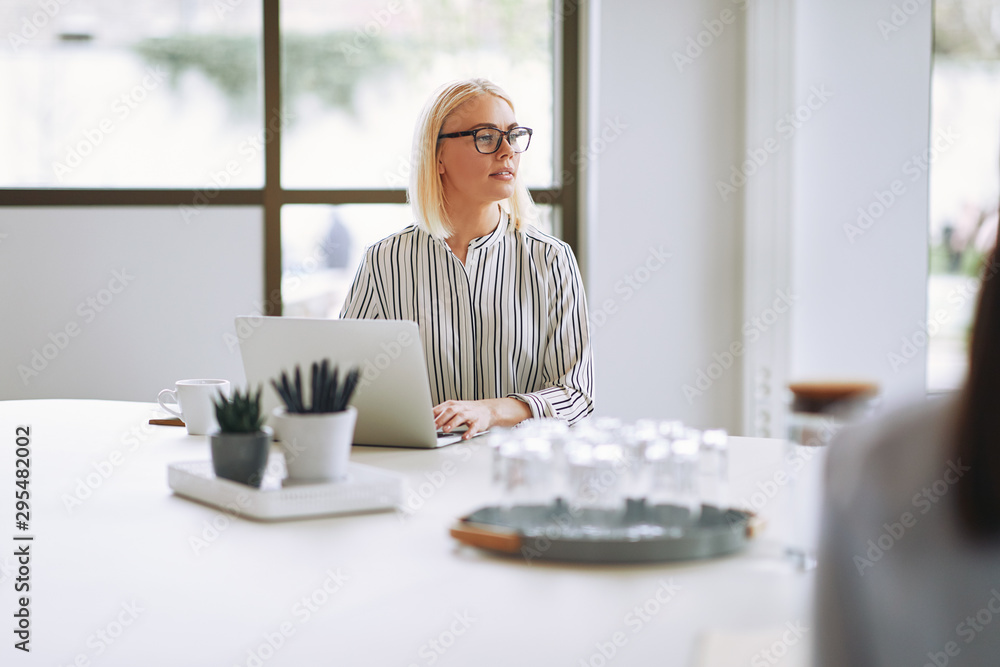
[510, 322]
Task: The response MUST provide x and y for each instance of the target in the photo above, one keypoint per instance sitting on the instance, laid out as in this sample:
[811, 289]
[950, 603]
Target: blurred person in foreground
[909, 560]
[500, 305]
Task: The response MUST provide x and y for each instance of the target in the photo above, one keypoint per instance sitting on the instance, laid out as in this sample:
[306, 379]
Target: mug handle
[173, 394]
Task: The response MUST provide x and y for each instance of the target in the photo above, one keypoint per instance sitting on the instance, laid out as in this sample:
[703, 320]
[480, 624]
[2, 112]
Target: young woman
[500, 306]
[909, 565]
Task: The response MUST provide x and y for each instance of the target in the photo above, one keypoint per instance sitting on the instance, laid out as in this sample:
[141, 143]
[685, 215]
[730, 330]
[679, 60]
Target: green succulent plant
[328, 395]
[239, 414]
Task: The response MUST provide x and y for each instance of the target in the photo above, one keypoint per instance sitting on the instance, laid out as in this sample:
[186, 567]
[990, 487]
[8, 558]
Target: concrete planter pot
[317, 446]
[241, 457]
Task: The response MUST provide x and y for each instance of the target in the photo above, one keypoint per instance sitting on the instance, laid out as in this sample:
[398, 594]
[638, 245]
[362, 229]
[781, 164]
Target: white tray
[366, 489]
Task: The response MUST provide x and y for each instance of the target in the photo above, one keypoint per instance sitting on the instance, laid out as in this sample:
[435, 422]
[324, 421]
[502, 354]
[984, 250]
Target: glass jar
[816, 411]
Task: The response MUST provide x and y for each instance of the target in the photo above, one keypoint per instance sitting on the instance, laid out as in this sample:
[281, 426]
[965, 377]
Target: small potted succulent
[316, 435]
[242, 443]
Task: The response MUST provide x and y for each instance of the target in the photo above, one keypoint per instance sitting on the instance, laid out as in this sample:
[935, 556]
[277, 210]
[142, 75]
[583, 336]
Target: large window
[130, 94]
[356, 74]
[303, 108]
[964, 176]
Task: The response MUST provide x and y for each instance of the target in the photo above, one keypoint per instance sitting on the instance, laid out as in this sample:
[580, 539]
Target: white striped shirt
[510, 322]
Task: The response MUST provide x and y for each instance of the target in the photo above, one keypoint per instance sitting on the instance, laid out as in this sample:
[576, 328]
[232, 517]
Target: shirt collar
[493, 237]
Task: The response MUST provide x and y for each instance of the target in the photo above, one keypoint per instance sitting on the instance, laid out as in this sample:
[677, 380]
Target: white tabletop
[123, 572]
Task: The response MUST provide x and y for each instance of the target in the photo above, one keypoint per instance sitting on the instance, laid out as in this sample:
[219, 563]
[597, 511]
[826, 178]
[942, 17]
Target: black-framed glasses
[488, 139]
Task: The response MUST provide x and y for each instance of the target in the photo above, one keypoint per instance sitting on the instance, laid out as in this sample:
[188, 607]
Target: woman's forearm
[508, 411]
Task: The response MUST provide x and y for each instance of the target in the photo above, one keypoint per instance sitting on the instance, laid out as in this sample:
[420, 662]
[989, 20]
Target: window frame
[563, 196]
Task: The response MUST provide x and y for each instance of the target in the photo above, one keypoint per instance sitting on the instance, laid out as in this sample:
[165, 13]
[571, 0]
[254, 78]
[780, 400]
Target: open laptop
[393, 397]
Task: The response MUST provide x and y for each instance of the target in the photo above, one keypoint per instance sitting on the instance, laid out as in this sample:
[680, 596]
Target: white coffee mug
[194, 398]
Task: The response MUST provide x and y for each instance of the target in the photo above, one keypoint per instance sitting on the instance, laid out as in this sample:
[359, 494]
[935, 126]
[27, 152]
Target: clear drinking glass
[641, 519]
[714, 468]
[525, 470]
[608, 479]
[596, 472]
[684, 455]
[672, 474]
[635, 440]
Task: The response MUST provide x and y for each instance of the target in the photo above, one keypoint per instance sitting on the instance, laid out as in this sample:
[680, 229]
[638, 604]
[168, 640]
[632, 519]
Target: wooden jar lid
[822, 396]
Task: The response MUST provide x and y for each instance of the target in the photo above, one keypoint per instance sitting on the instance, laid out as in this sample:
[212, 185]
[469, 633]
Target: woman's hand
[480, 416]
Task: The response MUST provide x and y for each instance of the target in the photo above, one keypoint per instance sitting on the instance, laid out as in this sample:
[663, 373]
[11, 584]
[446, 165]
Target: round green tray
[639, 534]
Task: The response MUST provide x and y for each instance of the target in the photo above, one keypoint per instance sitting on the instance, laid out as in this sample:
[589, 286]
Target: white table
[123, 572]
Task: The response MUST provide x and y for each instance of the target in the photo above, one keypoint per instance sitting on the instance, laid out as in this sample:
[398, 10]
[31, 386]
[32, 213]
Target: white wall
[858, 300]
[681, 131]
[854, 303]
[118, 303]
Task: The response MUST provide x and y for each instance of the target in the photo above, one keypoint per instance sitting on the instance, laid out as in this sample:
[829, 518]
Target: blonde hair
[426, 194]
